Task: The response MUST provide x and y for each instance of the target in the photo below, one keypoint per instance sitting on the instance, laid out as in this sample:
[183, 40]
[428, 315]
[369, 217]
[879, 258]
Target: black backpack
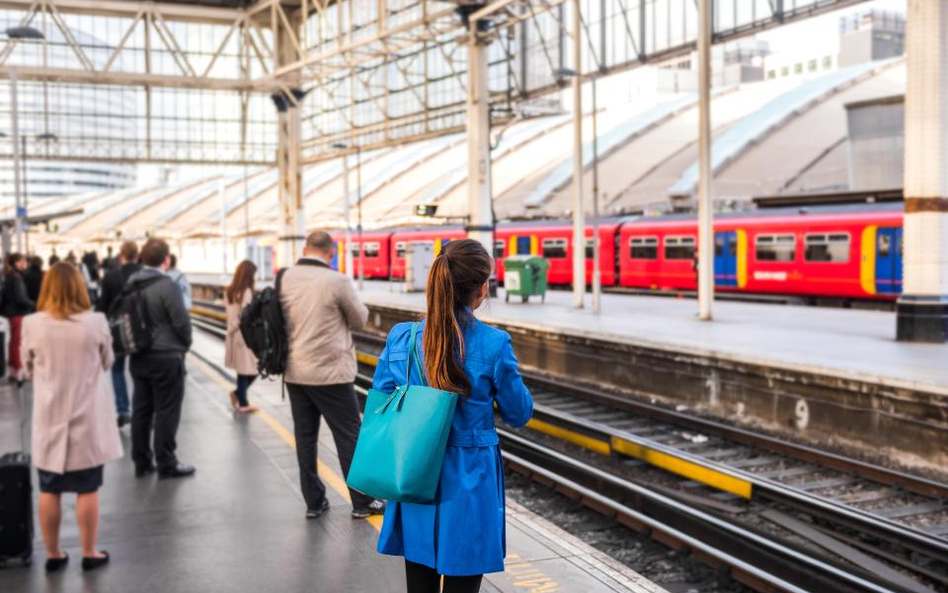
[263, 326]
[130, 321]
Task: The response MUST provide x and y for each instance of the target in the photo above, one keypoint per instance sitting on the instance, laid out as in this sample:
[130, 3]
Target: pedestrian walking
[16, 304]
[459, 536]
[321, 309]
[237, 355]
[68, 348]
[112, 285]
[33, 277]
[159, 372]
[181, 280]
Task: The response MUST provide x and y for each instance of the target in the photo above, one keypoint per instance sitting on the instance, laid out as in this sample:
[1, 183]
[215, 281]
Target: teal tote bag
[404, 434]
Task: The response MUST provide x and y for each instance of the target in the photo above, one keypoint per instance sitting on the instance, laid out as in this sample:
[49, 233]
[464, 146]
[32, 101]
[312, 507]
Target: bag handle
[413, 356]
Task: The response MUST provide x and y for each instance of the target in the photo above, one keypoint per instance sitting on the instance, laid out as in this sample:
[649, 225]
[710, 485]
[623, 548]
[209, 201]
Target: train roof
[828, 210]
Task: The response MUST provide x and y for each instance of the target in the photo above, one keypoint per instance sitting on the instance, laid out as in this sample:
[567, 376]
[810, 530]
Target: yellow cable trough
[677, 465]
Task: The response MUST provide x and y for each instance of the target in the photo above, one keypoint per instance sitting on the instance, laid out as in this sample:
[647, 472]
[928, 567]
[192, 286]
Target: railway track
[781, 516]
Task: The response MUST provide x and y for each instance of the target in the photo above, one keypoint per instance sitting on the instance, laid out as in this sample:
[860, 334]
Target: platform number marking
[801, 414]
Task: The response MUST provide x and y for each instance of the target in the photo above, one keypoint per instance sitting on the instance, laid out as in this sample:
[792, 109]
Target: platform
[239, 526]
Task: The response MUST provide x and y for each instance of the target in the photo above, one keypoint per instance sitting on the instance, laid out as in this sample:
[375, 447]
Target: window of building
[785, 71]
[830, 247]
[498, 249]
[811, 66]
[827, 62]
[779, 248]
[372, 249]
[798, 68]
[643, 247]
[400, 250]
[771, 74]
[554, 248]
[679, 247]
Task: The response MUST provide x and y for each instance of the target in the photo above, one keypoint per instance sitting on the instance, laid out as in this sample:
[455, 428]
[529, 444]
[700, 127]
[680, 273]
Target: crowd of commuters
[447, 544]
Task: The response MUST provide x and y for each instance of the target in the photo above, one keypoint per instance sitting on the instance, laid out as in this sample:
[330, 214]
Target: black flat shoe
[141, 472]
[178, 470]
[317, 513]
[94, 563]
[54, 564]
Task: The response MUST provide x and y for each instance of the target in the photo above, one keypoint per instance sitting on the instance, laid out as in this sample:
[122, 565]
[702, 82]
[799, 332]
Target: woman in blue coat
[461, 534]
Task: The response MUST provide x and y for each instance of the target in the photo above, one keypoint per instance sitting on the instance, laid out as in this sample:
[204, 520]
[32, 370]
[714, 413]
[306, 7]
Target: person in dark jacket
[158, 373]
[16, 304]
[33, 277]
[112, 286]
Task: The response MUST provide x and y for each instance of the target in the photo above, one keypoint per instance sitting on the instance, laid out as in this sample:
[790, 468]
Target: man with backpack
[157, 365]
[321, 308]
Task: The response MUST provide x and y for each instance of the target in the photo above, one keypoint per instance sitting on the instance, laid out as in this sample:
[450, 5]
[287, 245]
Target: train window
[779, 248]
[644, 247]
[885, 244]
[679, 247]
[400, 250]
[832, 247]
[498, 249]
[554, 248]
[354, 249]
[589, 248]
[372, 249]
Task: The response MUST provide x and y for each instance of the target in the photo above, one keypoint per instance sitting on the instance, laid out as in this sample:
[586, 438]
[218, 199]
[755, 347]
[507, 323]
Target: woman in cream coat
[237, 355]
[68, 349]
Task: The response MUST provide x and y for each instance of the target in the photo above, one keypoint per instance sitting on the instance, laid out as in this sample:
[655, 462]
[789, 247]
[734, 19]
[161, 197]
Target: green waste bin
[525, 276]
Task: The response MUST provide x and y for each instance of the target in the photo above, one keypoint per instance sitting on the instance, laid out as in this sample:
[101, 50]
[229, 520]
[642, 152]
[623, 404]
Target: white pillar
[579, 216]
[15, 140]
[347, 255]
[481, 221]
[923, 307]
[292, 213]
[705, 242]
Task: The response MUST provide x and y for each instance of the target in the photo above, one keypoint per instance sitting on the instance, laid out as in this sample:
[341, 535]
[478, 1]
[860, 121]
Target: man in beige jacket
[321, 308]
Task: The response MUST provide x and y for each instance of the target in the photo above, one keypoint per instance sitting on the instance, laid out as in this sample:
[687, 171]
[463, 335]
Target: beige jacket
[73, 406]
[237, 355]
[321, 308]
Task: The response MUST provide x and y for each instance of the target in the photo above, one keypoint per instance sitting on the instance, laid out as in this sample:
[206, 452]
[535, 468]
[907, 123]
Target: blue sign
[21, 211]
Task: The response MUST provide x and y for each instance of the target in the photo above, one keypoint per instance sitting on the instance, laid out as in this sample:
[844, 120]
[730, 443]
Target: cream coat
[237, 355]
[321, 308]
[73, 406]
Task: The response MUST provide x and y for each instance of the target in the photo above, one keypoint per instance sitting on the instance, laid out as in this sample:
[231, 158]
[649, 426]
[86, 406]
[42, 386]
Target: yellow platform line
[330, 477]
[570, 436]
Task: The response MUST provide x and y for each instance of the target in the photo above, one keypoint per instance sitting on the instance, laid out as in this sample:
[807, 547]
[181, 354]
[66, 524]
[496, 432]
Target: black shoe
[317, 513]
[141, 472]
[178, 470]
[123, 419]
[54, 564]
[94, 563]
[376, 507]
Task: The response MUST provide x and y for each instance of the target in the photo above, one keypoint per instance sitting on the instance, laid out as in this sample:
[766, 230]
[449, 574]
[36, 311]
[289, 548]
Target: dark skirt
[81, 481]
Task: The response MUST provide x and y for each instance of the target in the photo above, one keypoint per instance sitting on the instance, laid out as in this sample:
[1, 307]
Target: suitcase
[16, 500]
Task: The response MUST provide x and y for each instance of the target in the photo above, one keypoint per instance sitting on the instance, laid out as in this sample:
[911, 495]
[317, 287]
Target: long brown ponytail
[456, 278]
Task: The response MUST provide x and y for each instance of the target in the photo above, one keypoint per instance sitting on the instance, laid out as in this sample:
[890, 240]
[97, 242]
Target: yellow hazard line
[677, 465]
[218, 315]
[329, 476]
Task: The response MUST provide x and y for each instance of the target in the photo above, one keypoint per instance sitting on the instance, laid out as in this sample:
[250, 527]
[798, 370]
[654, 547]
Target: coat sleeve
[513, 398]
[383, 380]
[355, 312]
[106, 354]
[105, 294]
[185, 285]
[178, 315]
[26, 343]
[20, 294]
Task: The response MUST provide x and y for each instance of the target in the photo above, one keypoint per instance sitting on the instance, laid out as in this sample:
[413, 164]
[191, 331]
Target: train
[847, 252]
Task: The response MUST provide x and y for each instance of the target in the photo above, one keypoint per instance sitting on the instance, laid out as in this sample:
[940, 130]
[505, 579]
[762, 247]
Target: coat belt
[486, 437]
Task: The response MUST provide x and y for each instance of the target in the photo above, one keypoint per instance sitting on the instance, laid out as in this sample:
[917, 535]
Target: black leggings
[243, 384]
[423, 579]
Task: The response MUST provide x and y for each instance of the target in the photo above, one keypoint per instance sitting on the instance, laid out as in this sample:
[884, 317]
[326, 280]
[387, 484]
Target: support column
[579, 215]
[292, 212]
[705, 222]
[922, 311]
[480, 207]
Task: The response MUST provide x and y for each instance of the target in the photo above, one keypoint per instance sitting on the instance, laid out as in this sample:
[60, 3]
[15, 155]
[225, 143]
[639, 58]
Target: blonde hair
[63, 292]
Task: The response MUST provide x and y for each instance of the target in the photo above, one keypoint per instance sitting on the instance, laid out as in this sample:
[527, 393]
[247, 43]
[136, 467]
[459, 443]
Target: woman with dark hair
[460, 535]
[68, 348]
[16, 304]
[237, 355]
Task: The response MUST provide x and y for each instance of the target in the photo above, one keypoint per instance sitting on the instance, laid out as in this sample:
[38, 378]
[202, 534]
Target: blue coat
[463, 531]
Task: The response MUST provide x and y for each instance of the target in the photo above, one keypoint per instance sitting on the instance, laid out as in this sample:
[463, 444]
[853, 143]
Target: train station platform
[238, 525]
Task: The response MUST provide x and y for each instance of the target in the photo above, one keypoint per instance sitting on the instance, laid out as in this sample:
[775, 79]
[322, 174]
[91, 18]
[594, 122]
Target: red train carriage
[437, 236]
[375, 253]
[554, 241]
[840, 252]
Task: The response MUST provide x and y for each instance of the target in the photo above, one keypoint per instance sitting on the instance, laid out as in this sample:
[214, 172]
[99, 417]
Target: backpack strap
[413, 356]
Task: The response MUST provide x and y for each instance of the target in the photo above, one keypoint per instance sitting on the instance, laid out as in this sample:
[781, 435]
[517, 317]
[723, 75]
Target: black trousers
[424, 579]
[159, 392]
[338, 404]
